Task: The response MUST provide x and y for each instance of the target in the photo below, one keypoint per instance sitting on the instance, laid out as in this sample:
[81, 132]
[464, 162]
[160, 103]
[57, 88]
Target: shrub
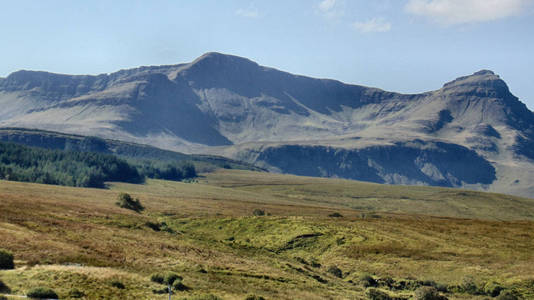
[179, 286]
[76, 293]
[4, 288]
[157, 278]
[42, 293]
[171, 277]
[335, 215]
[469, 286]
[368, 281]
[164, 290]
[3, 297]
[124, 200]
[507, 295]
[428, 293]
[258, 212]
[442, 288]
[492, 289]
[375, 294]
[117, 284]
[6, 260]
[153, 226]
[335, 271]
[254, 297]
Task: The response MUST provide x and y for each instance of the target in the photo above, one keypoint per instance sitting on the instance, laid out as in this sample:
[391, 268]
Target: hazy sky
[397, 45]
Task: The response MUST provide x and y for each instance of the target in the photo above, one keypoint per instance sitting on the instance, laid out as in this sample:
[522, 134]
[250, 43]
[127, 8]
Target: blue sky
[398, 45]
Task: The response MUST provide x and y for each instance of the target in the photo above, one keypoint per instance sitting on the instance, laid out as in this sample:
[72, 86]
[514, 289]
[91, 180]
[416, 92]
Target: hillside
[136, 152]
[472, 133]
[82, 169]
[462, 242]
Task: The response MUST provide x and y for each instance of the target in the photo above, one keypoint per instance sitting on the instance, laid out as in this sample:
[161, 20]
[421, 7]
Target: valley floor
[318, 239]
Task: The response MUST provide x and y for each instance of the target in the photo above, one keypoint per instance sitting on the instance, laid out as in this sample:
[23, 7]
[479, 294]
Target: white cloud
[331, 9]
[327, 5]
[250, 12]
[450, 12]
[372, 25]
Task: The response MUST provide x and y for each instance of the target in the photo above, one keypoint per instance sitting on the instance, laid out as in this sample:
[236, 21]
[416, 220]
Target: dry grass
[219, 247]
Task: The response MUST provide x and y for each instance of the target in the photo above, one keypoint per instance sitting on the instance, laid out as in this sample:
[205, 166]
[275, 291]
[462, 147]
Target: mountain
[471, 133]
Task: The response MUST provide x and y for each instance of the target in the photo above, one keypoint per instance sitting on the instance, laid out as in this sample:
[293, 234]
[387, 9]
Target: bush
[42, 293]
[76, 293]
[157, 278]
[335, 271]
[492, 289]
[469, 286]
[6, 260]
[258, 212]
[124, 200]
[442, 288]
[368, 281]
[179, 286]
[171, 277]
[4, 288]
[507, 295]
[117, 284]
[375, 294]
[428, 293]
[254, 297]
[3, 297]
[335, 215]
[153, 226]
[161, 291]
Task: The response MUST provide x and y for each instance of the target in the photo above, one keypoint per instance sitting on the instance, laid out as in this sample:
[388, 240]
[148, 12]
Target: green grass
[66, 238]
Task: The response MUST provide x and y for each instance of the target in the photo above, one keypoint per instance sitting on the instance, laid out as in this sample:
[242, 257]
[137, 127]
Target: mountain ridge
[232, 106]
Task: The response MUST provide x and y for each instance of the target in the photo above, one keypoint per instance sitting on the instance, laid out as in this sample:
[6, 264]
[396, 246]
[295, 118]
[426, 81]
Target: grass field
[403, 237]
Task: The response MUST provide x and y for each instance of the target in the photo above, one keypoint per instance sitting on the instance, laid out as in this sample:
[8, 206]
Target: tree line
[81, 169]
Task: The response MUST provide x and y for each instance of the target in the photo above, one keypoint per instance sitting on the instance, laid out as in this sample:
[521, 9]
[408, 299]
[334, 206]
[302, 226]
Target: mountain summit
[471, 133]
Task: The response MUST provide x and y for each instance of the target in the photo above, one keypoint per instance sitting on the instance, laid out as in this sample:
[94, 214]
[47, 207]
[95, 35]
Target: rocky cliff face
[471, 133]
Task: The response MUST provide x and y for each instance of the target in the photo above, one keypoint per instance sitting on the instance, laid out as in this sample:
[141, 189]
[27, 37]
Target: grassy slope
[72, 237]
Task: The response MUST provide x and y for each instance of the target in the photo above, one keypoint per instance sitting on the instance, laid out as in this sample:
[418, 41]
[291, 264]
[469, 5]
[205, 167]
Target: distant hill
[472, 133]
[79, 143]
[81, 169]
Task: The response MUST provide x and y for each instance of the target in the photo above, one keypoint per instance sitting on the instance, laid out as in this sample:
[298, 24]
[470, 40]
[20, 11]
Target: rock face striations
[470, 133]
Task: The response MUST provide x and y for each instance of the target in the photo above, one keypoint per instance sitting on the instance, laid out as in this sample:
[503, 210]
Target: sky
[405, 46]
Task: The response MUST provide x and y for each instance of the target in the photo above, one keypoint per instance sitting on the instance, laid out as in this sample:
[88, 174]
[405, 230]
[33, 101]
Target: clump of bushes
[375, 294]
[258, 212]
[6, 260]
[159, 226]
[124, 200]
[428, 293]
[178, 285]
[469, 286]
[117, 284]
[76, 293]
[171, 279]
[157, 278]
[335, 215]
[254, 297]
[492, 289]
[42, 293]
[507, 295]
[335, 271]
[368, 281]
